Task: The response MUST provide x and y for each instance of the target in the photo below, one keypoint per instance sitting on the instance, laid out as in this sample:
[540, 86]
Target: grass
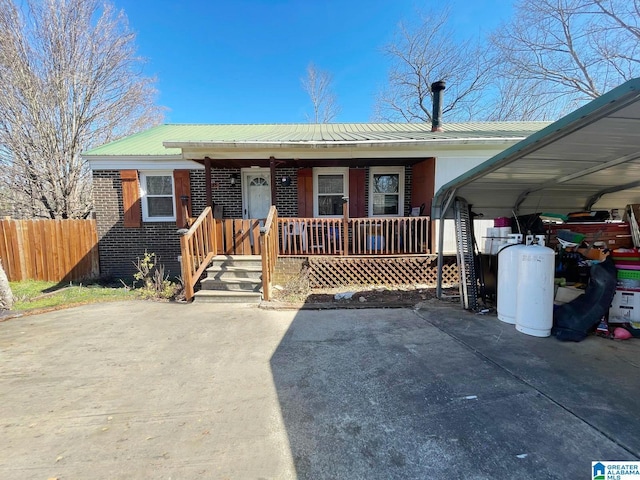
[36, 294]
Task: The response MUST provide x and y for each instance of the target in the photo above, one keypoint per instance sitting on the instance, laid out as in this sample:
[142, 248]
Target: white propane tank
[541, 240]
[534, 309]
[508, 278]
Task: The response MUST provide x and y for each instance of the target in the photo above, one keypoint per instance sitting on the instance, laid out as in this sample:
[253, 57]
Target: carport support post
[443, 211]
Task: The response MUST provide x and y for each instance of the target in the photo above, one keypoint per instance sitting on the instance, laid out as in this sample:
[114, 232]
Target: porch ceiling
[302, 163]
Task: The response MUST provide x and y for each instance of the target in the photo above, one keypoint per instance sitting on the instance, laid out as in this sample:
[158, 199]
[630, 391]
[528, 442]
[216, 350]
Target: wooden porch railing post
[197, 248]
[186, 263]
[266, 281]
[269, 250]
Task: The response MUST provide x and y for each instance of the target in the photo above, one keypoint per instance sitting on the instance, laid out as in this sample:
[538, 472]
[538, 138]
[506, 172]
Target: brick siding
[287, 197]
[120, 246]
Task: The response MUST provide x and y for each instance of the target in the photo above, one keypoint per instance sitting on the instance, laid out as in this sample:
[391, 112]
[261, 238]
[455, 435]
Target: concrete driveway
[154, 390]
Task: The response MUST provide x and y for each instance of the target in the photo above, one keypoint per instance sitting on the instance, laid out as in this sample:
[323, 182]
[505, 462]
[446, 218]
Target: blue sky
[241, 61]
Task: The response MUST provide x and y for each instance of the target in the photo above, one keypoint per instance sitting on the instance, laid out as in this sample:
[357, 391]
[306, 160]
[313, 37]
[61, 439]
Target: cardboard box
[593, 254]
[625, 307]
[566, 294]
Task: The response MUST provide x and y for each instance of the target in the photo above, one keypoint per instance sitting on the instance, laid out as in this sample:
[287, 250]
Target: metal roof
[589, 159]
[170, 139]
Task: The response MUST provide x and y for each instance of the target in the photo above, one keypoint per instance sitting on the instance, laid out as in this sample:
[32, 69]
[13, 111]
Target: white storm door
[256, 192]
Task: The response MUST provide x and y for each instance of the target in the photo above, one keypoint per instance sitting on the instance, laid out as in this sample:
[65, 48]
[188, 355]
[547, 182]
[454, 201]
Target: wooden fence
[53, 250]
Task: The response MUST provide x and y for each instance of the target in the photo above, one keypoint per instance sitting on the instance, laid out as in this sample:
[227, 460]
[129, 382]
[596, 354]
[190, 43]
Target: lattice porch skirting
[329, 272]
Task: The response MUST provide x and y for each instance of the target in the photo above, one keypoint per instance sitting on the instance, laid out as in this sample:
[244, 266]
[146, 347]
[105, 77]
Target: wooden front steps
[232, 279]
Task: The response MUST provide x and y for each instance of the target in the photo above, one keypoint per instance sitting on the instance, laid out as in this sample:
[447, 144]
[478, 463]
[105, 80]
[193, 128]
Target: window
[386, 191]
[330, 186]
[157, 196]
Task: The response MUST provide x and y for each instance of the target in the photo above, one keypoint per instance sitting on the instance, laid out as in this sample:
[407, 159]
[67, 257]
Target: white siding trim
[344, 171]
[400, 172]
[143, 195]
[128, 163]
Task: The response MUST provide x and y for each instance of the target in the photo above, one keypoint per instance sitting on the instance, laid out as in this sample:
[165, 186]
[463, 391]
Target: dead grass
[297, 291]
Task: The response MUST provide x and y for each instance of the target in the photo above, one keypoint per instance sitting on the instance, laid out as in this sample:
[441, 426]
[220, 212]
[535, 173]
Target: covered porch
[373, 250]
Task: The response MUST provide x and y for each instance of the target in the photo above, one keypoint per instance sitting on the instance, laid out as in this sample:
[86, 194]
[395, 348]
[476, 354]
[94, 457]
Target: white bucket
[494, 233]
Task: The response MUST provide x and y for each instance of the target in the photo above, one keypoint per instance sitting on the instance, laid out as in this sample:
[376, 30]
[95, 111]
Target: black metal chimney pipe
[436, 117]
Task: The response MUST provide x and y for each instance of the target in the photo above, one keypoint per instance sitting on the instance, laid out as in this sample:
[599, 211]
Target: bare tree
[623, 16]
[423, 53]
[569, 51]
[516, 99]
[318, 86]
[69, 80]
[6, 296]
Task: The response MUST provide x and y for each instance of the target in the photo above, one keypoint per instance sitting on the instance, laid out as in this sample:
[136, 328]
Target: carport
[589, 159]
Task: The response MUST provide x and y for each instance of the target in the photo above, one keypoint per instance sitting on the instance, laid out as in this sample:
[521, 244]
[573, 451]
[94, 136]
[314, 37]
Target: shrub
[155, 284]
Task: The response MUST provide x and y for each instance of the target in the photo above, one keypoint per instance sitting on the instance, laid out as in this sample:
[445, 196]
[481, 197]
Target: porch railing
[269, 249]
[362, 236]
[237, 236]
[296, 236]
[198, 247]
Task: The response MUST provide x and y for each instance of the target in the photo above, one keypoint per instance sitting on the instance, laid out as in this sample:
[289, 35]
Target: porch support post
[272, 170]
[207, 182]
[345, 219]
[446, 203]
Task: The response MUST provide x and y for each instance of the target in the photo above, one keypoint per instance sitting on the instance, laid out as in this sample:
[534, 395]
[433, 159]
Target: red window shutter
[131, 198]
[305, 192]
[182, 187]
[423, 176]
[356, 193]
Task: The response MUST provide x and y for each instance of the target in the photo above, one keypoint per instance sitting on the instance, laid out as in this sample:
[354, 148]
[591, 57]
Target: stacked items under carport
[625, 308]
[586, 263]
[594, 240]
[619, 238]
[585, 248]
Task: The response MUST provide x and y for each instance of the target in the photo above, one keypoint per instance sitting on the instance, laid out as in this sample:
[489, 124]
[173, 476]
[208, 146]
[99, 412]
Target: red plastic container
[628, 266]
[631, 256]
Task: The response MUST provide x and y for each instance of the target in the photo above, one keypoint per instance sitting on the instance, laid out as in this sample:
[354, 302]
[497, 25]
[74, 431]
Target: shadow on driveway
[443, 393]
[133, 390]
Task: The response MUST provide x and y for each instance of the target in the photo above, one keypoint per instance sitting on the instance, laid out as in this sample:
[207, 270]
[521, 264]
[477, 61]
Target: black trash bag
[573, 321]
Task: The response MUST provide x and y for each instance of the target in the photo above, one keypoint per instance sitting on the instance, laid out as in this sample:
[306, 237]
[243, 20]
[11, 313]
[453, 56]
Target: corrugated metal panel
[151, 141]
[581, 157]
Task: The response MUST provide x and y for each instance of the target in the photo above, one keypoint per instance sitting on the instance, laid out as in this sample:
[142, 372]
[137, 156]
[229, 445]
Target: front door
[256, 192]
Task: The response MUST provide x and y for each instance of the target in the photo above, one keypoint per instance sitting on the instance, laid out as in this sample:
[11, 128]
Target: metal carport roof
[589, 159]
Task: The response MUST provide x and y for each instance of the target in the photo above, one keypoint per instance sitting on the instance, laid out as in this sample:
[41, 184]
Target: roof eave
[333, 144]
